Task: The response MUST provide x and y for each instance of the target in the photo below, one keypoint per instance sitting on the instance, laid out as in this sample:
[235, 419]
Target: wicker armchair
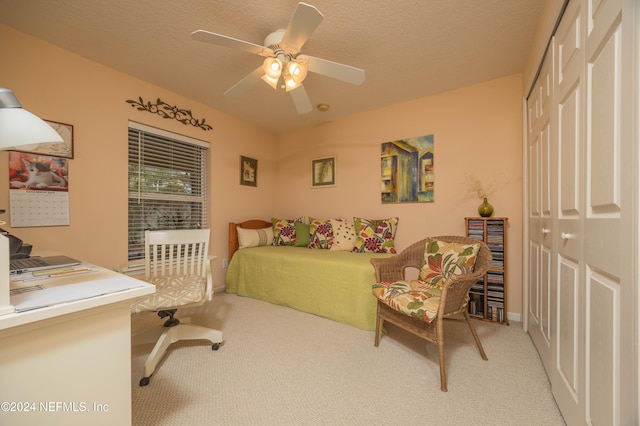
[453, 295]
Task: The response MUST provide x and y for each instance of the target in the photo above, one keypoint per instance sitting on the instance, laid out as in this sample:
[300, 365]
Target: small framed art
[248, 171]
[323, 172]
[62, 149]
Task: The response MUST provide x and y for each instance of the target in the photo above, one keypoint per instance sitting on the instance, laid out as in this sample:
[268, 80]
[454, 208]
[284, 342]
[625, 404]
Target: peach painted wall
[60, 86]
[477, 129]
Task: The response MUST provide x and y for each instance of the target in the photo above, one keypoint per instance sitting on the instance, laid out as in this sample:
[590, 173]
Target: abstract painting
[407, 170]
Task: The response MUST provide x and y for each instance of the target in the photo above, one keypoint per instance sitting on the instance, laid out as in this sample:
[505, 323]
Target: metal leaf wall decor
[165, 110]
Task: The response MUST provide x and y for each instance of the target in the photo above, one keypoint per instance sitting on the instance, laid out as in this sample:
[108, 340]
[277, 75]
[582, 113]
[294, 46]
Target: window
[167, 183]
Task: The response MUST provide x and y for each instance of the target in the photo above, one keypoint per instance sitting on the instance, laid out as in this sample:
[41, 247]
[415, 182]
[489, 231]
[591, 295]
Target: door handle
[566, 236]
[546, 231]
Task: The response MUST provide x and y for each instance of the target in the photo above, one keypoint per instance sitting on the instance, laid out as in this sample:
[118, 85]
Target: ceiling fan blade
[335, 70]
[301, 100]
[245, 84]
[302, 24]
[233, 43]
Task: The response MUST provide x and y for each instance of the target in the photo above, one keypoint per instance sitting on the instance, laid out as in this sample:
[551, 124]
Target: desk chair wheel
[215, 346]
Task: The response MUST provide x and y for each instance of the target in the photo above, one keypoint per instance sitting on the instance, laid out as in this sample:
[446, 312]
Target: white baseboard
[513, 316]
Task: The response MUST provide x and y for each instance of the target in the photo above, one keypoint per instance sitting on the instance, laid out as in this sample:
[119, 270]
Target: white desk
[69, 364]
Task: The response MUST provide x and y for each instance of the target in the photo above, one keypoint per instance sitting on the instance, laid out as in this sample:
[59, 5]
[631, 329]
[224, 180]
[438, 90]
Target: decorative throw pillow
[375, 236]
[302, 234]
[284, 232]
[344, 235]
[254, 237]
[443, 259]
[320, 234]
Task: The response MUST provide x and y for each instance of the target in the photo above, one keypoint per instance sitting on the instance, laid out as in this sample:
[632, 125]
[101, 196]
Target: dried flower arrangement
[476, 188]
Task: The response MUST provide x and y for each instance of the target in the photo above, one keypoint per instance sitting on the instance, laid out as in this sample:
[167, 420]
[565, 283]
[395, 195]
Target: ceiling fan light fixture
[294, 74]
[297, 71]
[272, 67]
[289, 82]
[285, 65]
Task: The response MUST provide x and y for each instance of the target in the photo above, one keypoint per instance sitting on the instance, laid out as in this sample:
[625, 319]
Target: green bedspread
[332, 284]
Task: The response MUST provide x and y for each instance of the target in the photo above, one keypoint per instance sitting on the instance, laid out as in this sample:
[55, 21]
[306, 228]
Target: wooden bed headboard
[233, 233]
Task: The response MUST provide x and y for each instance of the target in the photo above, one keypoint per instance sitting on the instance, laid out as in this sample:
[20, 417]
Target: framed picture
[323, 172]
[248, 171]
[407, 170]
[62, 149]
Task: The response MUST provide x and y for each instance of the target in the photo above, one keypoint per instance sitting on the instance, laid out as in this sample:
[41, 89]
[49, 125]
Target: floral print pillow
[375, 236]
[284, 232]
[443, 259]
[321, 234]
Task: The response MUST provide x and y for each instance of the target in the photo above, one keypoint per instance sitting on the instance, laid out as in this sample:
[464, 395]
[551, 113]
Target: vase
[485, 209]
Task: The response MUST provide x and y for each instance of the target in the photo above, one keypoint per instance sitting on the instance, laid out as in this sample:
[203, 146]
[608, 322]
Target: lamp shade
[272, 68]
[20, 127]
[297, 70]
[294, 75]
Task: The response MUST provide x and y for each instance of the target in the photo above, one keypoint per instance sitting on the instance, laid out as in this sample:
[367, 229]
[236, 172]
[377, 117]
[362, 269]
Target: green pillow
[302, 234]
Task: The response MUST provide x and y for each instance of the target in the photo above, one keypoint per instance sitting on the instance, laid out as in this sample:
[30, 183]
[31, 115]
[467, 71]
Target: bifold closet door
[567, 375]
[594, 214]
[541, 168]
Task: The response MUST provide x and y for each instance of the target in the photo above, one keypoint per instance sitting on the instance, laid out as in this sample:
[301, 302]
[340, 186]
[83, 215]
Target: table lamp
[18, 127]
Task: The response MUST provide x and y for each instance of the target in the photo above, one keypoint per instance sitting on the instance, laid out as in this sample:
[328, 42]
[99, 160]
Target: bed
[331, 284]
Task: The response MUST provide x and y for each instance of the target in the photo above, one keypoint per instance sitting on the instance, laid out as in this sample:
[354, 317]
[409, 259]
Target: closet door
[588, 381]
[584, 253]
[567, 378]
[626, 351]
[541, 169]
[609, 209]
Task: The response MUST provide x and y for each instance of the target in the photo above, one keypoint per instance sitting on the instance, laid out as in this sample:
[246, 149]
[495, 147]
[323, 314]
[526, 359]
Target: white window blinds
[167, 183]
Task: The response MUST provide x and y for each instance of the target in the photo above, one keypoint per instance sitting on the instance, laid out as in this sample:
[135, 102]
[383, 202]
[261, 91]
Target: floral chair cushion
[415, 298]
[375, 236]
[443, 259]
[172, 292]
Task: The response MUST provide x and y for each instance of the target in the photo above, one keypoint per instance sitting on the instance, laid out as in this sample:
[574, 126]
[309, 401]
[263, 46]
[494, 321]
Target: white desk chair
[177, 263]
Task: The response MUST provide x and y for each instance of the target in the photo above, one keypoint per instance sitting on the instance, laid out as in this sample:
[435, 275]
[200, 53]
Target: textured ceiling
[408, 48]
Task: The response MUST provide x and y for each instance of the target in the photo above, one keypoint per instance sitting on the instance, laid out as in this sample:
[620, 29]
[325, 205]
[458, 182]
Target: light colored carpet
[279, 366]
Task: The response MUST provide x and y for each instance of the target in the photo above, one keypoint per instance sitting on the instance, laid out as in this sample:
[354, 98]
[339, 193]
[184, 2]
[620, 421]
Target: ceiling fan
[284, 65]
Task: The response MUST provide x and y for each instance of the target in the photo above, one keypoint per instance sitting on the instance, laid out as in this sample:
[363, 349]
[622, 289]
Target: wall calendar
[38, 190]
[38, 208]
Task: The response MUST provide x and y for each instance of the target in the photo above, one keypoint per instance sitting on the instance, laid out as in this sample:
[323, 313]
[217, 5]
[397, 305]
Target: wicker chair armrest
[391, 269]
[455, 291]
